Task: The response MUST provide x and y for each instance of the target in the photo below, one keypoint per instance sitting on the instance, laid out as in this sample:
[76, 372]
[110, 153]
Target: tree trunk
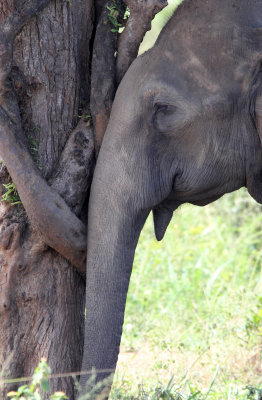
[41, 293]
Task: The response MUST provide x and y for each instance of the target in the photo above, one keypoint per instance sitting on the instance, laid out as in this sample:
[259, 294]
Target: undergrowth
[194, 306]
[10, 195]
[39, 384]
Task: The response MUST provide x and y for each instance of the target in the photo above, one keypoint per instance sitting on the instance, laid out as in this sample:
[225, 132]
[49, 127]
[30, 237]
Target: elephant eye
[164, 117]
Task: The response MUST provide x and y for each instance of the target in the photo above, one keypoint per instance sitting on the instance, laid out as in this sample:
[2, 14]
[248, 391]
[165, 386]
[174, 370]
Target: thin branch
[142, 13]
[104, 65]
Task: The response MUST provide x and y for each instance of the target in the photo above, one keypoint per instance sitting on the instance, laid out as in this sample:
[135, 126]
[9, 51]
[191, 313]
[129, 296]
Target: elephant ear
[258, 112]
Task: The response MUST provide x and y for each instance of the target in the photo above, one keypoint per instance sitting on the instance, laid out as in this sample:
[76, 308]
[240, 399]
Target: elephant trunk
[115, 222]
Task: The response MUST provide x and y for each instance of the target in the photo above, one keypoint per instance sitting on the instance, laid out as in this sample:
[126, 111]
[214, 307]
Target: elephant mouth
[200, 199]
[163, 212]
[205, 195]
[206, 201]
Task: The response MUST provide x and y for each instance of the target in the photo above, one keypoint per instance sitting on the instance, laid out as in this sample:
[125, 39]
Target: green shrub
[40, 381]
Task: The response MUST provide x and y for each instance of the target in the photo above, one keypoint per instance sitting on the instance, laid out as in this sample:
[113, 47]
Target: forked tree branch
[142, 13]
[58, 226]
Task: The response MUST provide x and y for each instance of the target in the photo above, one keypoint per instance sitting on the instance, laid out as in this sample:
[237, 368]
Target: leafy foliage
[34, 150]
[11, 195]
[113, 17]
[40, 380]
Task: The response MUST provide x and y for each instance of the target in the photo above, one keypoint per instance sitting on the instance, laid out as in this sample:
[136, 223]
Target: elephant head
[186, 127]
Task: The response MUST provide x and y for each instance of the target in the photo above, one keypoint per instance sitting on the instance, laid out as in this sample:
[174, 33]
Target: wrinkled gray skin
[185, 128]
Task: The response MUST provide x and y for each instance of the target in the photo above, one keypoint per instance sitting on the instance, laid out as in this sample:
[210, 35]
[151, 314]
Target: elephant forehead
[200, 72]
[210, 40]
[188, 74]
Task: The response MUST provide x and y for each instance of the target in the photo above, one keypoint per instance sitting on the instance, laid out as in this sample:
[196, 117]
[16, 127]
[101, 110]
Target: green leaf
[45, 385]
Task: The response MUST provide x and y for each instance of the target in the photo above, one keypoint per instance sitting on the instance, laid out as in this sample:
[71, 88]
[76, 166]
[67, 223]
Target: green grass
[194, 308]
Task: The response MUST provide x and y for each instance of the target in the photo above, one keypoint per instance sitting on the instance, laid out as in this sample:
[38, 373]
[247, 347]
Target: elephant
[185, 127]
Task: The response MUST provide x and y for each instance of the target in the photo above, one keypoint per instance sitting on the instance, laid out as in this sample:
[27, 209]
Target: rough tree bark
[46, 49]
[41, 294]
